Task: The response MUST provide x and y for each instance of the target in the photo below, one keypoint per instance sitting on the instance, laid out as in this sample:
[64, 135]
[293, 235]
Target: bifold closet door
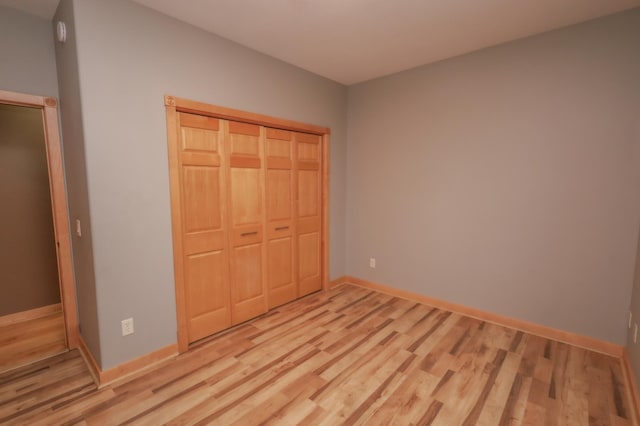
[246, 213]
[280, 190]
[205, 245]
[308, 168]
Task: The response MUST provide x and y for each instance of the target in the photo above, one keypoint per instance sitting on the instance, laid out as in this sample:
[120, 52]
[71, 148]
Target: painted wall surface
[129, 57]
[28, 261]
[503, 179]
[75, 170]
[28, 63]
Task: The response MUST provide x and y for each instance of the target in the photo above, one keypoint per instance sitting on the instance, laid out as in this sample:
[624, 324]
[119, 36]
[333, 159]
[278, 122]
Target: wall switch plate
[372, 262]
[630, 316]
[78, 228]
[127, 326]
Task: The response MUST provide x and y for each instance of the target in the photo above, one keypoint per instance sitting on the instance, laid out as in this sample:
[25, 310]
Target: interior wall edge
[74, 162]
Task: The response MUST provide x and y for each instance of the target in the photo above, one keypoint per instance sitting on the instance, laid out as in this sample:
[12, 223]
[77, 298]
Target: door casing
[49, 108]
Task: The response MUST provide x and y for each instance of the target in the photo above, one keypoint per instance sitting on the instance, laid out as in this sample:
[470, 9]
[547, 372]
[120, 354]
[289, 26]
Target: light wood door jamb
[173, 106]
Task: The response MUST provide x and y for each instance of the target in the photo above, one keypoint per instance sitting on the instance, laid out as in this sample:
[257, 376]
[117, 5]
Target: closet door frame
[175, 105]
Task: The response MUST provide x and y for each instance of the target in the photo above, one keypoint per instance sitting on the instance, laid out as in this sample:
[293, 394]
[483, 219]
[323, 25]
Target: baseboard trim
[103, 378]
[337, 281]
[634, 395]
[89, 360]
[532, 328]
[30, 314]
[139, 364]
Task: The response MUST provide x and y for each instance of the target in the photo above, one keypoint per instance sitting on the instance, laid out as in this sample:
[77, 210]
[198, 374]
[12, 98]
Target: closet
[248, 195]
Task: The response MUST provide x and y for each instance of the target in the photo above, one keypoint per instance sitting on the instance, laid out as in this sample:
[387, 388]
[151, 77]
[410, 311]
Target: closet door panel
[309, 261]
[245, 196]
[280, 192]
[308, 193]
[247, 292]
[207, 293]
[280, 266]
[201, 197]
[200, 242]
[309, 212]
[246, 207]
[206, 259]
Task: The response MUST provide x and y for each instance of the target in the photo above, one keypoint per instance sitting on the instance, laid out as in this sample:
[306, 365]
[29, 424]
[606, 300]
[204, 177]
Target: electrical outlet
[635, 333]
[372, 262]
[630, 316]
[127, 326]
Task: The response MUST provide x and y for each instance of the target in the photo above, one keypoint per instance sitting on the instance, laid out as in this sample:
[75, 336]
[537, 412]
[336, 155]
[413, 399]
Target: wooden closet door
[280, 190]
[246, 213]
[308, 169]
[206, 258]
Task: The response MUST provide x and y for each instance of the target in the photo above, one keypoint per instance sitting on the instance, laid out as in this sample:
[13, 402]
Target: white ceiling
[350, 41]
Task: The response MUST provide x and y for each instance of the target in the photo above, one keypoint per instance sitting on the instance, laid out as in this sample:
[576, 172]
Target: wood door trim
[174, 106]
[574, 339]
[324, 235]
[173, 138]
[22, 99]
[49, 107]
[194, 107]
[61, 221]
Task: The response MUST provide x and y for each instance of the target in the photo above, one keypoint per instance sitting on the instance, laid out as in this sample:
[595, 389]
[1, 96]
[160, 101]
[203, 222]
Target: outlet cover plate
[127, 326]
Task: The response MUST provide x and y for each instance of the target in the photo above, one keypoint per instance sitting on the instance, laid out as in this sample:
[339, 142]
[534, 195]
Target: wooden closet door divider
[280, 200]
[309, 212]
[246, 220]
[204, 242]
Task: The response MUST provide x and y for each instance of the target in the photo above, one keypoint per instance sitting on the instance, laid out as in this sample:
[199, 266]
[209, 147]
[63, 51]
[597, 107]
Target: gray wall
[503, 179]
[129, 57]
[26, 47]
[75, 170]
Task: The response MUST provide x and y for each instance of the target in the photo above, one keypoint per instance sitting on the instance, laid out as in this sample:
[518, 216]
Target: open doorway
[38, 315]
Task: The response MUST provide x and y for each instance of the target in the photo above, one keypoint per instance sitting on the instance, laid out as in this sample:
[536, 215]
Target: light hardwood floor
[24, 342]
[348, 356]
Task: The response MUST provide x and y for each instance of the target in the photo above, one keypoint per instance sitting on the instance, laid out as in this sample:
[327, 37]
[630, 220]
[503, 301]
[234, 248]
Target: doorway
[38, 315]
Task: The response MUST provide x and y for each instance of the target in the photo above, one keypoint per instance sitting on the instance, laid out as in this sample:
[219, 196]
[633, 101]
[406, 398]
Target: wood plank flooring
[348, 356]
[28, 341]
